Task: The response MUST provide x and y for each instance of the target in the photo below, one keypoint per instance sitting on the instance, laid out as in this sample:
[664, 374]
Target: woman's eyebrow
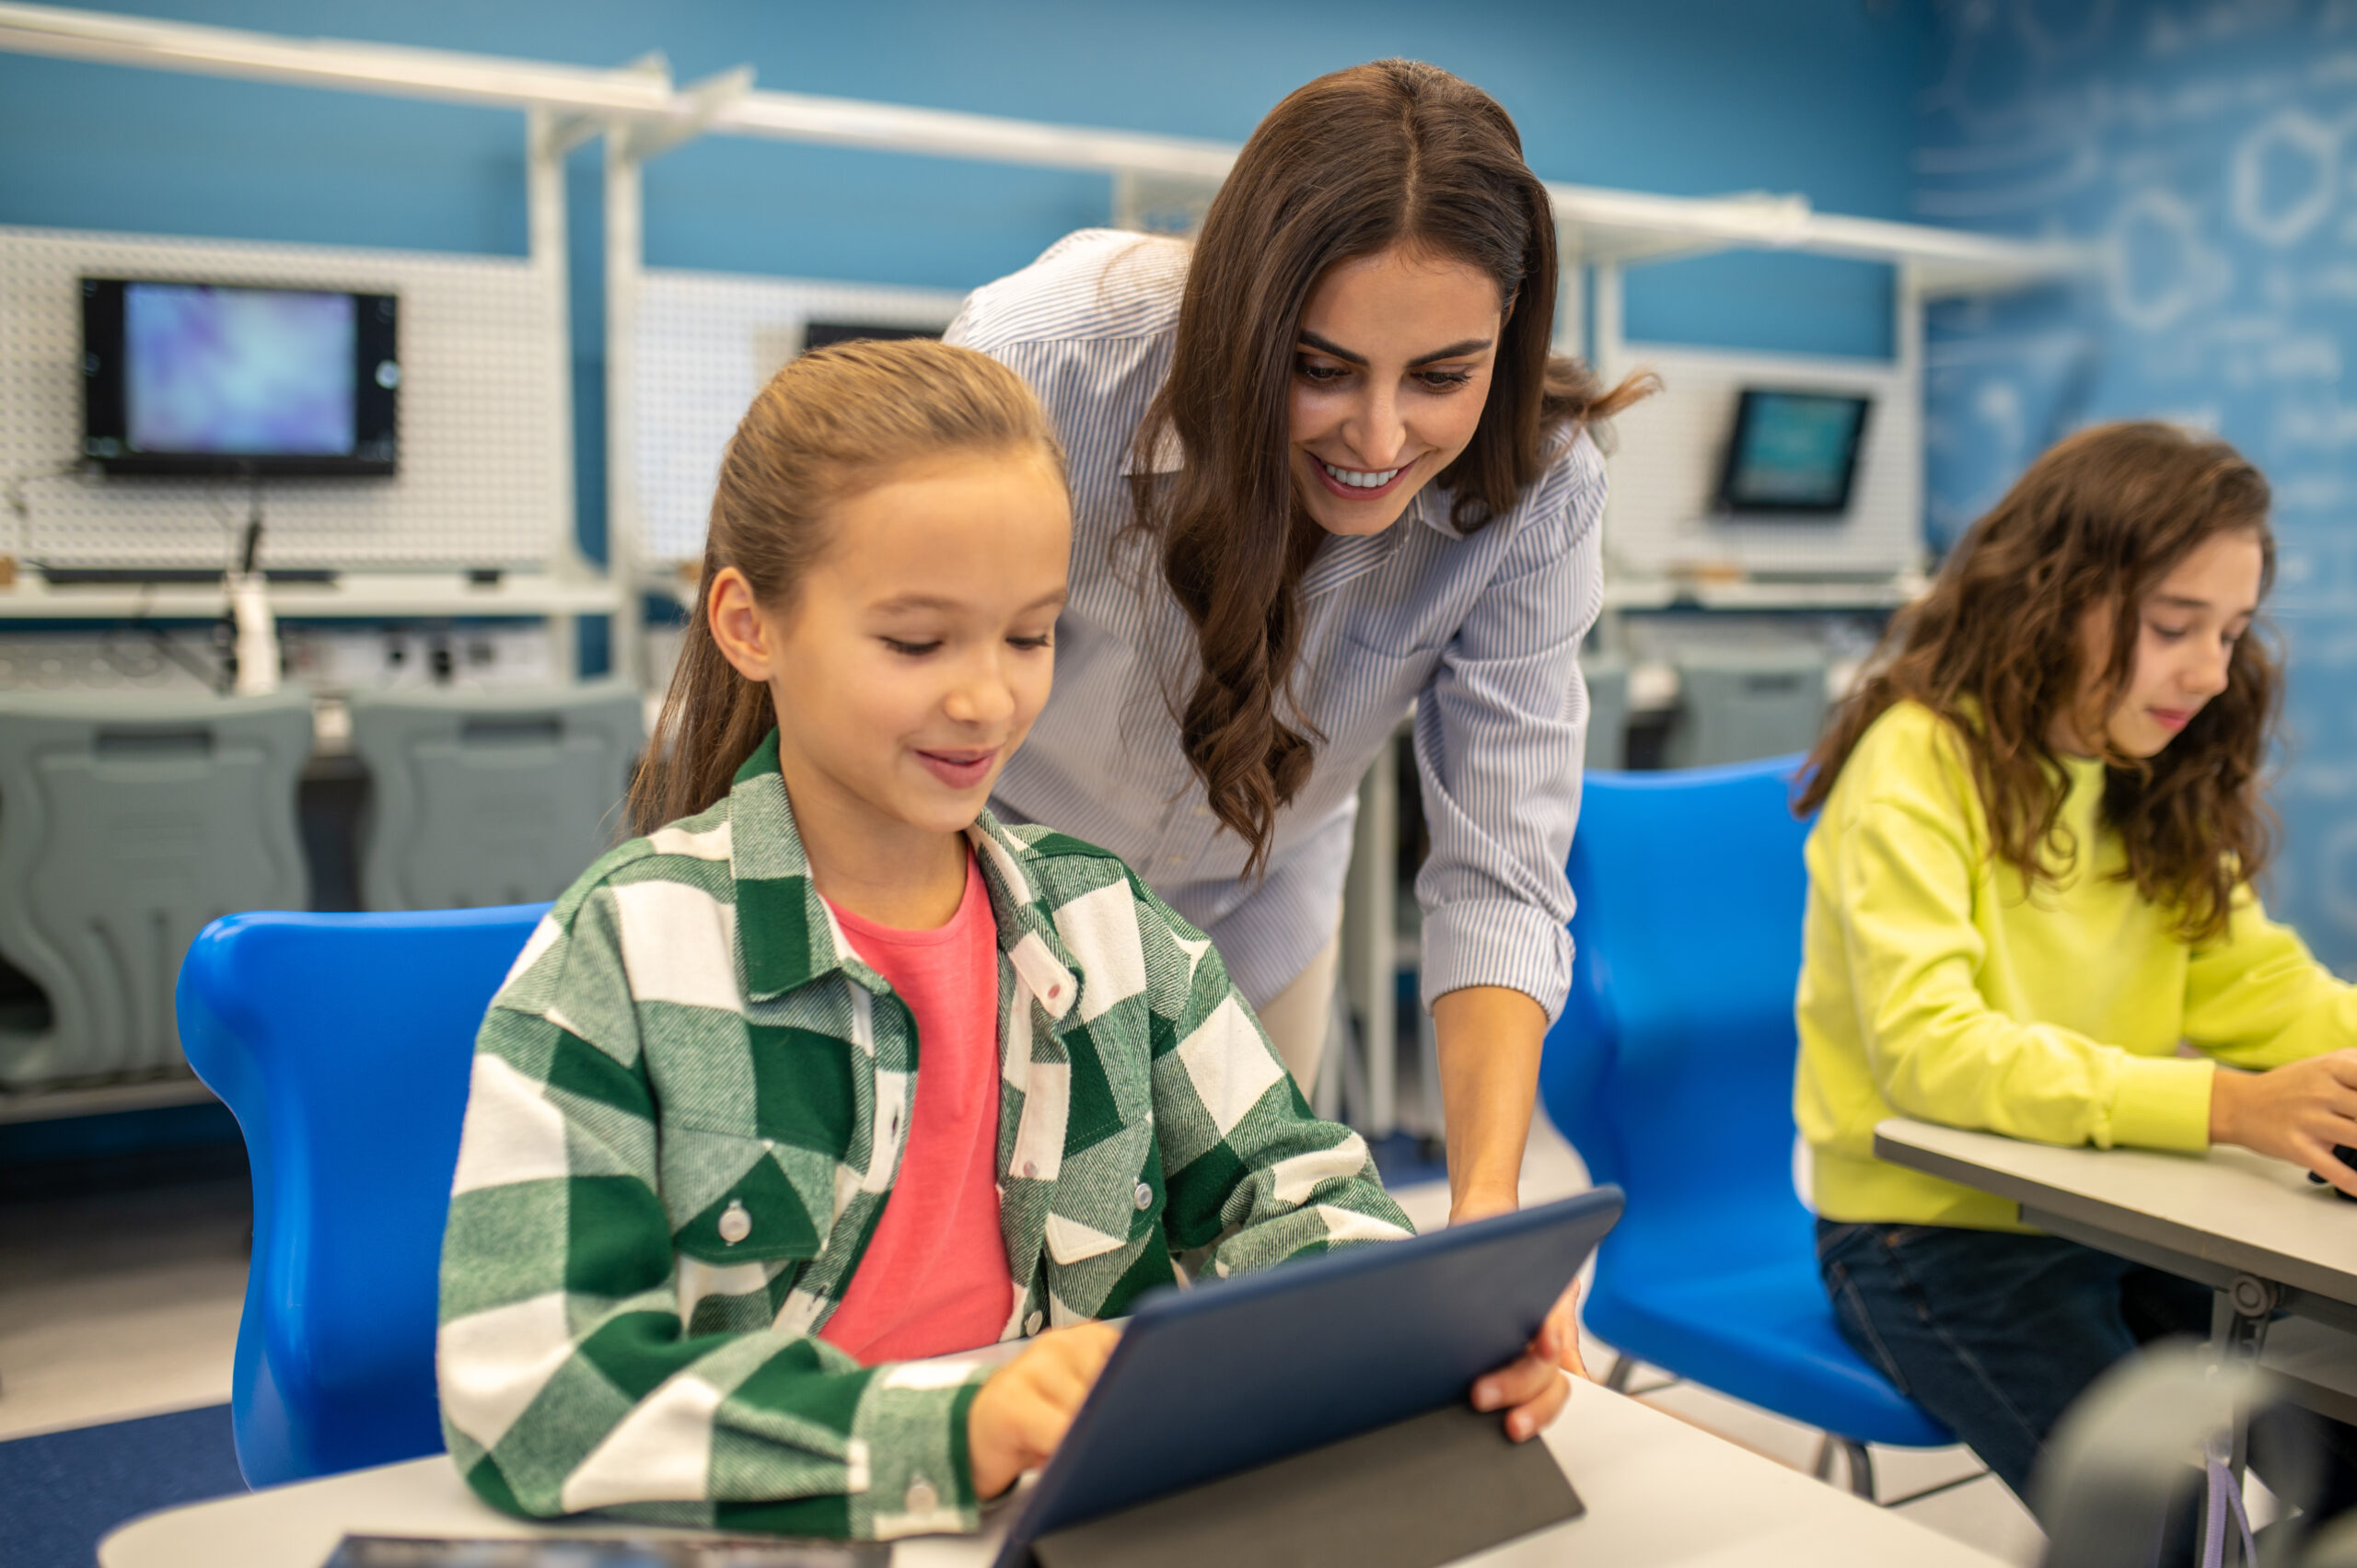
[1470, 345]
[1325, 346]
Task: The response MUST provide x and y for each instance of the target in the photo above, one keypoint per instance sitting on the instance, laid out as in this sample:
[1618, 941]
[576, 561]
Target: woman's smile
[1362, 484]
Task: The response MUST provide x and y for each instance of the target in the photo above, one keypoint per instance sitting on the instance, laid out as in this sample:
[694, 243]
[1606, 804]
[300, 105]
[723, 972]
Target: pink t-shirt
[935, 1277]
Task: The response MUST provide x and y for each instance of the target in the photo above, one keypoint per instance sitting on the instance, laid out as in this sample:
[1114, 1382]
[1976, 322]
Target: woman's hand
[1020, 1415]
[2296, 1112]
[1533, 1390]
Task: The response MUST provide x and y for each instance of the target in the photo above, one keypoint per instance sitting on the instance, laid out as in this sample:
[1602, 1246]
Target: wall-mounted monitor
[1793, 451]
[217, 378]
[822, 334]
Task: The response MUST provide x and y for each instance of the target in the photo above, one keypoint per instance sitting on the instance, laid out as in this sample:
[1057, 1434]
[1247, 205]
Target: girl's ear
[737, 629]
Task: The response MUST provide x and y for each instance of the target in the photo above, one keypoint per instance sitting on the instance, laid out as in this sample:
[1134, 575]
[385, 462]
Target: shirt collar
[786, 936]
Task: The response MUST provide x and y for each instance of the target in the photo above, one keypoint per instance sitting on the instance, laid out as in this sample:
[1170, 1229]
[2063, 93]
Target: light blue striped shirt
[1479, 632]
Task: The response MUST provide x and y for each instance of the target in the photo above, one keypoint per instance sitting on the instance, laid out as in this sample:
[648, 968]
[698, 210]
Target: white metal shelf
[1828, 594]
[375, 595]
[1601, 227]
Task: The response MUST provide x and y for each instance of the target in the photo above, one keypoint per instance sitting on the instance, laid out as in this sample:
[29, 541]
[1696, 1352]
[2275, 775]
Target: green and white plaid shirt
[686, 1119]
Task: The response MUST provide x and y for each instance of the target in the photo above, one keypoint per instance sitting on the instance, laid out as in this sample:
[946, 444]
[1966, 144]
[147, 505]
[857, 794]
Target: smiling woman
[1325, 471]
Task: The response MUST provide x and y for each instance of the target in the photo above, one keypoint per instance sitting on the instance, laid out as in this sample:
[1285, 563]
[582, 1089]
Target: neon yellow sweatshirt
[1932, 987]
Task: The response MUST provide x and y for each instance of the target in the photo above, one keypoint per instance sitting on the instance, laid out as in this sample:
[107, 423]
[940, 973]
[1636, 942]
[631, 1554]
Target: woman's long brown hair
[833, 423]
[1389, 154]
[1994, 648]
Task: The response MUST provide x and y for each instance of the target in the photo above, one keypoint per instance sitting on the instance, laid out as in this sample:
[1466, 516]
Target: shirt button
[1031, 1324]
[736, 1224]
[1054, 992]
[1031, 1169]
[1146, 1196]
[921, 1498]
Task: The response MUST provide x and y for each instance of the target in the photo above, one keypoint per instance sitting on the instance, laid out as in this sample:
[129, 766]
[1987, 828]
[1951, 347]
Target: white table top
[1658, 1492]
[2212, 1215]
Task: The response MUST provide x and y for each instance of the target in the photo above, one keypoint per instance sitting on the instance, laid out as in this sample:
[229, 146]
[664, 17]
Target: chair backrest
[126, 822]
[1739, 705]
[343, 1043]
[482, 797]
[1671, 1067]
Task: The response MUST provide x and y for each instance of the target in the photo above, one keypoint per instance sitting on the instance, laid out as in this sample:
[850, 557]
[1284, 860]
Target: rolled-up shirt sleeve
[1500, 733]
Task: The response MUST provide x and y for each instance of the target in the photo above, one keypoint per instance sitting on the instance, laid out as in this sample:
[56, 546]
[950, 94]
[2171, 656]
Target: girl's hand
[2294, 1112]
[1020, 1415]
[1533, 1390]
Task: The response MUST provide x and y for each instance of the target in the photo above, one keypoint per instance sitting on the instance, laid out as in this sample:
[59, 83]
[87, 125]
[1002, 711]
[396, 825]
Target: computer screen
[822, 334]
[192, 377]
[1793, 451]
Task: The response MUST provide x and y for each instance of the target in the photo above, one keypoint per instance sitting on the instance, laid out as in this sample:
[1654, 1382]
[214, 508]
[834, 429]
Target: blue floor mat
[61, 1492]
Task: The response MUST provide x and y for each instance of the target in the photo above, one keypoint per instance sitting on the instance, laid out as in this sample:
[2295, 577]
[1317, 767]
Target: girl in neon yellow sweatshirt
[2029, 887]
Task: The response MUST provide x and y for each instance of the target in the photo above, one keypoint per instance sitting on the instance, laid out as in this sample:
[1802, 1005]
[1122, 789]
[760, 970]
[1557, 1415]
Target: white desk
[1658, 1493]
[2222, 1218]
[2255, 1230]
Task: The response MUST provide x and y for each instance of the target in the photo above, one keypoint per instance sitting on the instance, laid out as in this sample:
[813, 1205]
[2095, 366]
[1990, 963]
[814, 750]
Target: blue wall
[1686, 97]
[2205, 149]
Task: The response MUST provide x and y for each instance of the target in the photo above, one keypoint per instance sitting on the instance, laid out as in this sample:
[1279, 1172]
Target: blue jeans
[1996, 1334]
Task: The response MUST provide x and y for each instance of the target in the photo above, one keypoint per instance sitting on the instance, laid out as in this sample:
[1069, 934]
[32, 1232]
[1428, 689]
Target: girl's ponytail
[832, 424]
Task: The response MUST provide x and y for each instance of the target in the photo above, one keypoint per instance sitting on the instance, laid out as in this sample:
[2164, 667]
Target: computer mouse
[2348, 1157]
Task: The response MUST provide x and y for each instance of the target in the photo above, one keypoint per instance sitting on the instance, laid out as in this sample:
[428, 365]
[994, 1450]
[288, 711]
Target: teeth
[1357, 479]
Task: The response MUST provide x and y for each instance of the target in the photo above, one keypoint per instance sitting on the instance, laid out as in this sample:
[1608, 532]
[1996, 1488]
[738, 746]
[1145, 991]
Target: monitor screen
[187, 377]
[821, 334]
[1793, 451]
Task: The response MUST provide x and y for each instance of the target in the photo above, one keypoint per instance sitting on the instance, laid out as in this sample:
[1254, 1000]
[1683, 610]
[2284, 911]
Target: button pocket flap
[759, 1216]
[1069, 1241]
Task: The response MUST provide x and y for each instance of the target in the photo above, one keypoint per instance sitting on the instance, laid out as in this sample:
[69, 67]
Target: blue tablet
[1211, 1381]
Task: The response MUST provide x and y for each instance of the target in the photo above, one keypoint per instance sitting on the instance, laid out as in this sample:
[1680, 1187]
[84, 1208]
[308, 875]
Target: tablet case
[1421, 1492]
[1217, 1381]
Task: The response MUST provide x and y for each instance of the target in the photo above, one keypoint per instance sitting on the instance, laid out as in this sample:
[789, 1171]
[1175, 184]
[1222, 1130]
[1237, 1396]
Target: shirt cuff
[2162, 1102]
[910, 1430]
[1497, 942]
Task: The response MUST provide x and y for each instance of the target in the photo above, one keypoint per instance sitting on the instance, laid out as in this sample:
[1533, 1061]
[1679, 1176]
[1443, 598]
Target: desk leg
[2237, 1333]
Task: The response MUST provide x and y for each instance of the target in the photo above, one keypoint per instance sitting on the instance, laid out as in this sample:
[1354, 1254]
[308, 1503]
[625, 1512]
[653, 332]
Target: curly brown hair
[1994, 648]
[1387, 154]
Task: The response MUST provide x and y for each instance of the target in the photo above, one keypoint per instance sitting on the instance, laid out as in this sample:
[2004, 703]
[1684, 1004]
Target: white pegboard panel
[707, 342]
[1665, 472]
[483, 445]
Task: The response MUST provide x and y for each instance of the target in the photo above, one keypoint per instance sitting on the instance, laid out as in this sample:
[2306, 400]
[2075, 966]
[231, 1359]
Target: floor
[126, 1304]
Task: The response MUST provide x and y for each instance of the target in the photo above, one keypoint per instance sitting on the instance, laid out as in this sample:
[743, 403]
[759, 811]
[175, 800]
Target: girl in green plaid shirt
[830, 1076]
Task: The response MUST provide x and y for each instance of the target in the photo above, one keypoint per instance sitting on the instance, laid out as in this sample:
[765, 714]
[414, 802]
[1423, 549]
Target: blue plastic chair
[344, 1044]
[1671, 1072]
